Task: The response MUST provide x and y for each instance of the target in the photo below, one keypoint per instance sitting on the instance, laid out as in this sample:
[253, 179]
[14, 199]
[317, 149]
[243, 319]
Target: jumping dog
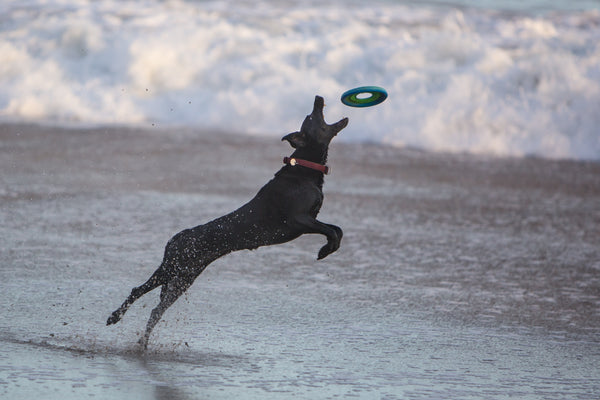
[282, 210]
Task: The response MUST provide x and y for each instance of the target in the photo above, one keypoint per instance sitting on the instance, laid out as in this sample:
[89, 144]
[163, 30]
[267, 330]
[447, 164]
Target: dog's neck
[315, 156]
[307, 164]
[318, 156]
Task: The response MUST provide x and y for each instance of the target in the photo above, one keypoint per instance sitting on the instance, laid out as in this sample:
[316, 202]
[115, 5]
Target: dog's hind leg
[137, 292]
[169, 294]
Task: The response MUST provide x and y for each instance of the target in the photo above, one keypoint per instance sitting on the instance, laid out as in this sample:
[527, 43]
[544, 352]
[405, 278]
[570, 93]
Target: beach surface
[459, 276]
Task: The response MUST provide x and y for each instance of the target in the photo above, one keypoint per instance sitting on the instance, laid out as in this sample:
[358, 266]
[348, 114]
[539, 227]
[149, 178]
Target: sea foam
[459, 79]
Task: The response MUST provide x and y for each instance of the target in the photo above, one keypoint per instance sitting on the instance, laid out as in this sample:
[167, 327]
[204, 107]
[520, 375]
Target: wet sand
[459, 276]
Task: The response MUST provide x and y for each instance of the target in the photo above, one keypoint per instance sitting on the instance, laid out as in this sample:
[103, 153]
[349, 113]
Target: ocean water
[496, 77]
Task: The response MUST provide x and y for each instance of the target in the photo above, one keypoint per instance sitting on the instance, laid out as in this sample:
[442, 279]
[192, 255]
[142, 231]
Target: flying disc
[364, 96]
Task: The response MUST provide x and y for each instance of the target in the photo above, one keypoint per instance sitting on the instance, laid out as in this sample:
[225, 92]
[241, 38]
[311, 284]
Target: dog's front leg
[334, 233]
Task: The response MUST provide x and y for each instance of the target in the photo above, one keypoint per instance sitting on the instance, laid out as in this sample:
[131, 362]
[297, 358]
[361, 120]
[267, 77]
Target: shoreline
[185, 131]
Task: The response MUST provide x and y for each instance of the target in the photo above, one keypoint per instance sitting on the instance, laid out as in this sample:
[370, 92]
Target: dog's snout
[319, 104]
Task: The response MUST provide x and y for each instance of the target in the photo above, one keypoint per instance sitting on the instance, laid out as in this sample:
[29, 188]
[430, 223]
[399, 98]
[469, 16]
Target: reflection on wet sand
[458, 276]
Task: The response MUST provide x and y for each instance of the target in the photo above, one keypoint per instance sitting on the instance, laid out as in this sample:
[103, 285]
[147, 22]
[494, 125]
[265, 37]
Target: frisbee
[364, 96]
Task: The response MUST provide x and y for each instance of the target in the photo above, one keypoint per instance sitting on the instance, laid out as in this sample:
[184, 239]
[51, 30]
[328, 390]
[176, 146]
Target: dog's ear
[338, 126]
[296, 139]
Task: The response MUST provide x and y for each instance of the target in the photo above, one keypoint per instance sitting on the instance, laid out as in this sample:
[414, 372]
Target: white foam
[458, 80]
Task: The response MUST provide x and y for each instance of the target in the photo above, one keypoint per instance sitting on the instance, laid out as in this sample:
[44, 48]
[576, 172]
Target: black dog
[283, 209]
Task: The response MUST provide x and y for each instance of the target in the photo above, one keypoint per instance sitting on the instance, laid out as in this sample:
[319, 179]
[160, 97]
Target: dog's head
[314, 129]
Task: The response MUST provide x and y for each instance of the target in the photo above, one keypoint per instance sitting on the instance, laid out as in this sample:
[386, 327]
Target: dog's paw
[113, 319]
[323, 253]
[327, 250]
[143, 343]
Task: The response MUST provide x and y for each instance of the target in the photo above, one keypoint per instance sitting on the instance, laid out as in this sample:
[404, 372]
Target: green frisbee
[364, 96]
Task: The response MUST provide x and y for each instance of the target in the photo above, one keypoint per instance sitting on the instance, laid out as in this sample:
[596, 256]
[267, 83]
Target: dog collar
[308, 164]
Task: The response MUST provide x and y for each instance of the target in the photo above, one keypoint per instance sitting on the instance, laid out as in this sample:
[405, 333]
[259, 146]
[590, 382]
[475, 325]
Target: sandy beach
[459, 276]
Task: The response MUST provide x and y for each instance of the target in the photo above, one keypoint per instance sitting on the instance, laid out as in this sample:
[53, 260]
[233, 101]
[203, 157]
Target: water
[529, 6]
[503, 78]
[458, 277]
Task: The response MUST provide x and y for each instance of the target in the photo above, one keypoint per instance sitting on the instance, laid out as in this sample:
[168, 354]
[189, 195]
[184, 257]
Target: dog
[282, 210]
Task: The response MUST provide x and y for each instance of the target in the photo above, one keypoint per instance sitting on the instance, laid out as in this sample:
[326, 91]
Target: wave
[459, 79]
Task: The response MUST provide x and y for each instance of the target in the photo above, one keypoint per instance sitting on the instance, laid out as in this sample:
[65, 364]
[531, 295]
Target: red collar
[308, 164]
